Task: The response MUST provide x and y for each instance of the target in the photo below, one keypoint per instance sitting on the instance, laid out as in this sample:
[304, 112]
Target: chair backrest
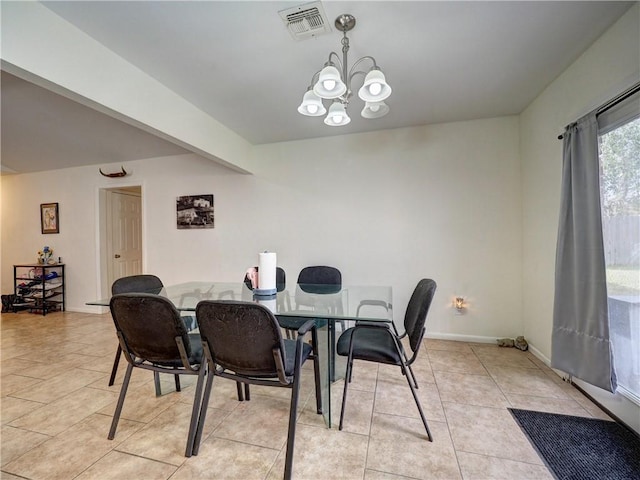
[137, 283]
[243, 337]
[281, 279]
[329, 277]
[417, 309]
[149, 325]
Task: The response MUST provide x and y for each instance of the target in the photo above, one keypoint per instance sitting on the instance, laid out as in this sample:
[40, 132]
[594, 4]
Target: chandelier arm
[314, 78]
[353, 74]
[373, 60]
[337, 59]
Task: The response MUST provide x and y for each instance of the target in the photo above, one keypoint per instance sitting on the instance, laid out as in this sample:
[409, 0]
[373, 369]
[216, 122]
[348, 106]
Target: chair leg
[247, 393]
[156, 382]
[293, 416]
[177, 379]
[415, 397]
[123, 393]
[195, 411]
[413, 376]
[240, 392]
[114, 370]
[203, 412]
[347, 381]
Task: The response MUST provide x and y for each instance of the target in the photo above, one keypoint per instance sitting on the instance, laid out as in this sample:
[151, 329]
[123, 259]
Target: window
[619, 151]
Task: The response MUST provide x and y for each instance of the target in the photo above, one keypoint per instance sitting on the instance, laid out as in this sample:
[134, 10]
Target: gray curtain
[580, 341]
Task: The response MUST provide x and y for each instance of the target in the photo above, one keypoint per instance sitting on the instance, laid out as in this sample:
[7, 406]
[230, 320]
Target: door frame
[103, 259]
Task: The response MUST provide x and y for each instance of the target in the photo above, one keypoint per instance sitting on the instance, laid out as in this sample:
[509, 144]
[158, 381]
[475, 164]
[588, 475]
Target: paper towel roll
[267, 272]
[270, 303]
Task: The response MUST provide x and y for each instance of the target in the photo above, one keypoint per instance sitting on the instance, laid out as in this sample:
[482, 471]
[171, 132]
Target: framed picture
[49, 219]
[195, 211]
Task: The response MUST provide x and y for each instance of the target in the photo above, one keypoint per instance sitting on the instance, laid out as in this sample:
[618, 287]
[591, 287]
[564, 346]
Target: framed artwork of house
[195, 211]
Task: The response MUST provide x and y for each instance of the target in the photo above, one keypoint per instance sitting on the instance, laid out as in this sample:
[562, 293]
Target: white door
[124, 223]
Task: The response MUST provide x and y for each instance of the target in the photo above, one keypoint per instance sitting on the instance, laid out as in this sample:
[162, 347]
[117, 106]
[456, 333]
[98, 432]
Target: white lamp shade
[311, 105]
[375, 110]
[329, 84]
[375, 88]
[337, 115]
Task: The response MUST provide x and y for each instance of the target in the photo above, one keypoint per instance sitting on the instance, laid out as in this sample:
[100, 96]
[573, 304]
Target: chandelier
[333, 83]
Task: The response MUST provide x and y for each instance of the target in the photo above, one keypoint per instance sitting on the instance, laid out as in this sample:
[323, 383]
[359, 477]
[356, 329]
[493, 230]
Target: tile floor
[57, 408]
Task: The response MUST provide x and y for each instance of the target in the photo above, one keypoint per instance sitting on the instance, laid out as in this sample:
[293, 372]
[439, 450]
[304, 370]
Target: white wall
[608, 67]
[390, 207]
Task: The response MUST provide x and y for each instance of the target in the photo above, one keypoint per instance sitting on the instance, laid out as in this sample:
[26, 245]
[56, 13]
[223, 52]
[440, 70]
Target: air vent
[305, 21]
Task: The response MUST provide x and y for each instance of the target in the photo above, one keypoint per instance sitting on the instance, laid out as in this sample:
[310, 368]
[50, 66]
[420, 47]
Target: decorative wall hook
[114, 175]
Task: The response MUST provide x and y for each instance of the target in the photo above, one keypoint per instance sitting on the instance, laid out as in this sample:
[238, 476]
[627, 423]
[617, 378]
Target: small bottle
[59, 259]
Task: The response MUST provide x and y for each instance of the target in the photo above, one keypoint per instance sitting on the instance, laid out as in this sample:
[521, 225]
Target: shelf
[34, 291]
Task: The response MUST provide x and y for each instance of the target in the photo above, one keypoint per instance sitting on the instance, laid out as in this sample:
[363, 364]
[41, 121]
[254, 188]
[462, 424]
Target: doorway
[121, 245]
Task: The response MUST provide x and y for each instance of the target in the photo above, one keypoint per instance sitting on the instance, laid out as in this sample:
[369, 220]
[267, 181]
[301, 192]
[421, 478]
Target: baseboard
[88, 309]
[461, 338]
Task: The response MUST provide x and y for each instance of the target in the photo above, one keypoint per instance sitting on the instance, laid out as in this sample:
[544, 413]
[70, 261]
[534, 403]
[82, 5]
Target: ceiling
[236, 61]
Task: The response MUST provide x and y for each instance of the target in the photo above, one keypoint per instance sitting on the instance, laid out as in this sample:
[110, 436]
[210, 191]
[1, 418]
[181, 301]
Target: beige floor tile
[469, 389]
[510, 357]
[357, 416]
[393, 373]
[141, 403]
[165, 437]
[11, 384]
[47, 369]
[322, 453]
[224, 395]
[71, 452]
[396, 399]
[590, 407]
[454, 361]
[399, 445]
[8, 476]
[58, 386]
[262, 421]
[488, 431]
[220, 459]
[482, 467]
[13, 408]
[525, 381]
[16, 442]
[19, 367]
[307, 411]
[375, 475]
[104, 363]
[448, 345]
[566, 406]
[364, 377]
[61, 414]
[117, 465]
[139, 376]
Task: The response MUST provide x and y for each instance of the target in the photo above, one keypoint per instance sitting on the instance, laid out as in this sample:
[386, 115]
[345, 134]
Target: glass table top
[371, 303]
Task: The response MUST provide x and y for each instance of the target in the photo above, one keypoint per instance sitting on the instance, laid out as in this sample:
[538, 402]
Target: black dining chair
[312, 281]
[144, 283]
[153, 336]
[242, 341]
[132, 284]
[382, 344]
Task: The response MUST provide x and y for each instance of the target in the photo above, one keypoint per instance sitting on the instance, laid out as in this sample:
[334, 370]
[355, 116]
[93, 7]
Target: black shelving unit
[39, 287]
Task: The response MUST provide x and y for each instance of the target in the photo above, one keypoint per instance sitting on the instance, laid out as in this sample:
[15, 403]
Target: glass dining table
[333, 308]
